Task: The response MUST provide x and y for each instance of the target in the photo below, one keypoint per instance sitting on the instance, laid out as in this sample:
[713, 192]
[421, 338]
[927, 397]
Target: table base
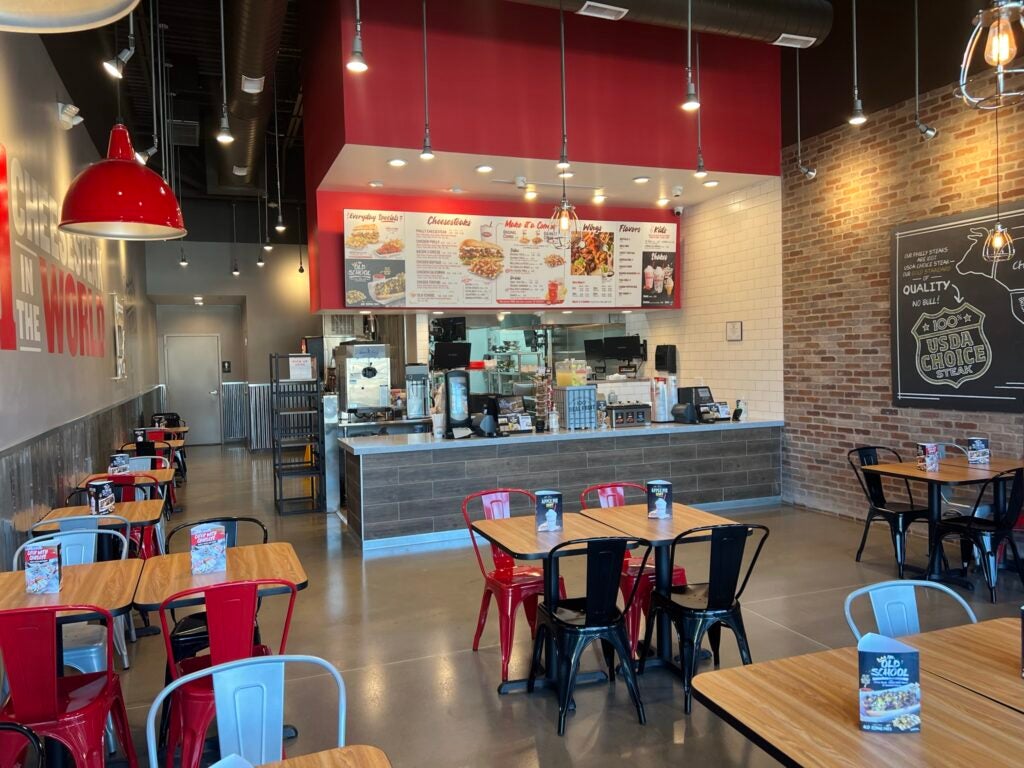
[542, 683]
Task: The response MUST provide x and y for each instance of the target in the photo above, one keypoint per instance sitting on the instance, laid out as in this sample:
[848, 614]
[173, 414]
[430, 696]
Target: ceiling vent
[184, 133]
[602, 11]
[794, 41]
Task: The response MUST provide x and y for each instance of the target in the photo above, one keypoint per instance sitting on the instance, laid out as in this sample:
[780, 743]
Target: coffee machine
[417, 391]
[364, 377]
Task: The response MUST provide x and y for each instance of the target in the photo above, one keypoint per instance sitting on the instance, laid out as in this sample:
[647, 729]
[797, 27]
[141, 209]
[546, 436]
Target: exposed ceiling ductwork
[793, 23]
[253, 38]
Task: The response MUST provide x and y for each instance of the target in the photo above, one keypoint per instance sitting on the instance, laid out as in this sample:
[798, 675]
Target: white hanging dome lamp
[41, 17]
[1001, 84]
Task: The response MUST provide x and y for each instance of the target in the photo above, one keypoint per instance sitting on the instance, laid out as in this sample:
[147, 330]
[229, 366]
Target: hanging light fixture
[234, 240]
[119, 199]
[700, 172]
[428, 152]
[692, 103]
[267, 245]
[115, 66]
[1003, 84]
[999, 243]
[563, 159]
[809, 172]
[259, 233]
[183, 261]
[146, 155]
[356, 62]
[279, 227]
[224, 135]
[857, 117]
[302, 269]
[927, 131]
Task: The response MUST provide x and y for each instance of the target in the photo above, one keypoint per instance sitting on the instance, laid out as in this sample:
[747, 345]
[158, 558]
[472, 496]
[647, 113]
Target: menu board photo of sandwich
[433, 261]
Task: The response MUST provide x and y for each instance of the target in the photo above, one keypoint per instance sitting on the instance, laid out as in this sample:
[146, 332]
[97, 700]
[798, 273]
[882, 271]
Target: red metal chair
[510, 584]
[126, 489]
[614, 495]
[72, 709]
[231, 619]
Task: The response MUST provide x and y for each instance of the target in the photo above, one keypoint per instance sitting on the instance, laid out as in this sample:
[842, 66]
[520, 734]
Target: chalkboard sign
[957, 317]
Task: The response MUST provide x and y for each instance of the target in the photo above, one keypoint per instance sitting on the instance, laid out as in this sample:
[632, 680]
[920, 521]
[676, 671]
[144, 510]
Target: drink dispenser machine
[417, 391]
[457, 420]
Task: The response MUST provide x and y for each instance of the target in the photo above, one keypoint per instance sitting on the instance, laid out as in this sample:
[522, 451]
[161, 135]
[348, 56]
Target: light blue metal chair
[249, 696]
[895, 606]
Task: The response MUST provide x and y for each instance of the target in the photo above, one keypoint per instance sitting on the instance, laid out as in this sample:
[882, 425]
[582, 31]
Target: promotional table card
[659, 499]
[140, 434]
[977, 450]
[890, 685]
[42, 569]
[101, 497]
[928, 457]
[549, 511]
[209, 548]
[118, 464]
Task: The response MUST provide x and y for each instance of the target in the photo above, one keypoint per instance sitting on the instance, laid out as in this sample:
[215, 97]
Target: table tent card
[118, 464]
[549, 511]
[977, 450]
[659, 499]
[890, 685]
[928, 457]
[42, 568]
[101, 497]
[209, 548]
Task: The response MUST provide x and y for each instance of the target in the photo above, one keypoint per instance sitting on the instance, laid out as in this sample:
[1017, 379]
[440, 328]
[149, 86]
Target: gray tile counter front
[413, 485]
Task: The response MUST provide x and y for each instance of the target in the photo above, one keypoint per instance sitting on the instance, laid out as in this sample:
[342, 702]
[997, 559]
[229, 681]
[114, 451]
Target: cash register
[697, 404]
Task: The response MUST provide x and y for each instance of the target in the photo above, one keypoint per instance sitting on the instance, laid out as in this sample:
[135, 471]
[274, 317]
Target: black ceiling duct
[793, 23]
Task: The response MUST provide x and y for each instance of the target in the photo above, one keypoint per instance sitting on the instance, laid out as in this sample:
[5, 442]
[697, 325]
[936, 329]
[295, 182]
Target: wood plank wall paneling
[38, 474]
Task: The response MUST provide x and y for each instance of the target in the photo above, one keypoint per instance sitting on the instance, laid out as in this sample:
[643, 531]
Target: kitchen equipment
[685, 413]
[417, 391]
[364, 377]
[708, 409]
[629, 414]
[457, 420]
[665, 358]
[577, 406]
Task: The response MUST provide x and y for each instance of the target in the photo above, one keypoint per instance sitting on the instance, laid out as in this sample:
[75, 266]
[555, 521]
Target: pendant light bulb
[563, 218]
[268, 247]
[857, 117]
[183, 261]
[279, 227]
[998, 244]
[115, 66]
[356, 63]
[259, 260]
[224, 134]
[235, 270]
[1000, 48]
[563, 163]
[701, 172]
[809, 172]
[929, 132]
[427, 153]
[692, 103]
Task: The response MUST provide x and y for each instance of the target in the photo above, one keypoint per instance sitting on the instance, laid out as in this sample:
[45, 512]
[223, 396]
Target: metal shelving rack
[297, 424]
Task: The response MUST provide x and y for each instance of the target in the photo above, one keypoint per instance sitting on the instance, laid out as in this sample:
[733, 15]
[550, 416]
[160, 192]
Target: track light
[929, 132]
[809, 172]
[356, 62]
[115, 66]
[143, 155]
[67, 116]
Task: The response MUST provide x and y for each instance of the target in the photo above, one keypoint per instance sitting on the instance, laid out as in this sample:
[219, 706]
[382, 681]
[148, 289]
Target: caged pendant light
[1001, 84]
[564, 217]
[999, 243]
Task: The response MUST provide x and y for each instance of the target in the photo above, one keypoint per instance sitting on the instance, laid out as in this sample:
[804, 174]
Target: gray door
[192, 369]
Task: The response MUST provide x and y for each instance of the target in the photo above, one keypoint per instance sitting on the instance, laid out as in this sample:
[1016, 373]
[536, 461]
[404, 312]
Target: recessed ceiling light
[376, 184]
[197, 298]
[456, 190]
[435, 312]
[711, 183]
[365, 312]
[627, 311]
[599, 197]
[641, 179]
[566, 311]
[662, 202]
[566, 175]
[484, 169]
[530, 194]
[396, 162]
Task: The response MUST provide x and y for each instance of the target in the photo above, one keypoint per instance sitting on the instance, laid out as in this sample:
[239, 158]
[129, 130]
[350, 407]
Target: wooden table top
[110, 584]
[947, 474]
[175, 430]
[165, 575]
[356, 756]
[632, 520]
[137, 512]
[162, 476]
[519, 537]
[804, 710]
[174, 444]
[995, 464]
[984, 658]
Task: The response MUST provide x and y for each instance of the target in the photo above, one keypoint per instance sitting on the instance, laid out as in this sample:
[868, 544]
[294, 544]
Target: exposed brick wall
[836, 239]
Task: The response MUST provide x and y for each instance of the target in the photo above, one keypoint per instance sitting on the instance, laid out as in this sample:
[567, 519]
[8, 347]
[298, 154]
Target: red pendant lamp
[120, 199]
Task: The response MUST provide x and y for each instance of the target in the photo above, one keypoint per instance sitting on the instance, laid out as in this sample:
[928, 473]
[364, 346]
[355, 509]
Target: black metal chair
[30, 755]
[987, 534]
[77, 498]
[171, 419]
[190, 634]
[699, 609]
[576, 622]
[899, 515]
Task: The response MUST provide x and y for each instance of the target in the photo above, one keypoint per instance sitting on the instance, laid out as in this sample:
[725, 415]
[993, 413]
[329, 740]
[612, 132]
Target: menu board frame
[458, 261]
[957, 320]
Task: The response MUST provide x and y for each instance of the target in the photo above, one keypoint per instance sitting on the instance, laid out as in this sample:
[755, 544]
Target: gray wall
[224, 320]
[276, 297]
[42, 389]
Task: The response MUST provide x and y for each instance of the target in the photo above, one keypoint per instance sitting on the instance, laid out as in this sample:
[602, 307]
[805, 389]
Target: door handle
[214, 392]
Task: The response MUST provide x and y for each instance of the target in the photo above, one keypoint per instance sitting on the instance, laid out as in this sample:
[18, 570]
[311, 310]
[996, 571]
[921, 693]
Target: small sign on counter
[42, 569]
[890, 685]
[208, 548]
[549, 511]
[659, 499]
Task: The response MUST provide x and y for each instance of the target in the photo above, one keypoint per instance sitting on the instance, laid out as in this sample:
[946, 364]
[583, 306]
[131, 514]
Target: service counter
[408, 489]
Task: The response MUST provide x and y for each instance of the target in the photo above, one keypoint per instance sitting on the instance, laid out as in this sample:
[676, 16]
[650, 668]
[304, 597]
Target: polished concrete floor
[399, 627]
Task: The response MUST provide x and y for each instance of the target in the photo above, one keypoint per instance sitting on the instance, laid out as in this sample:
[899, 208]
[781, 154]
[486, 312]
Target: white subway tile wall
[732, 270]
